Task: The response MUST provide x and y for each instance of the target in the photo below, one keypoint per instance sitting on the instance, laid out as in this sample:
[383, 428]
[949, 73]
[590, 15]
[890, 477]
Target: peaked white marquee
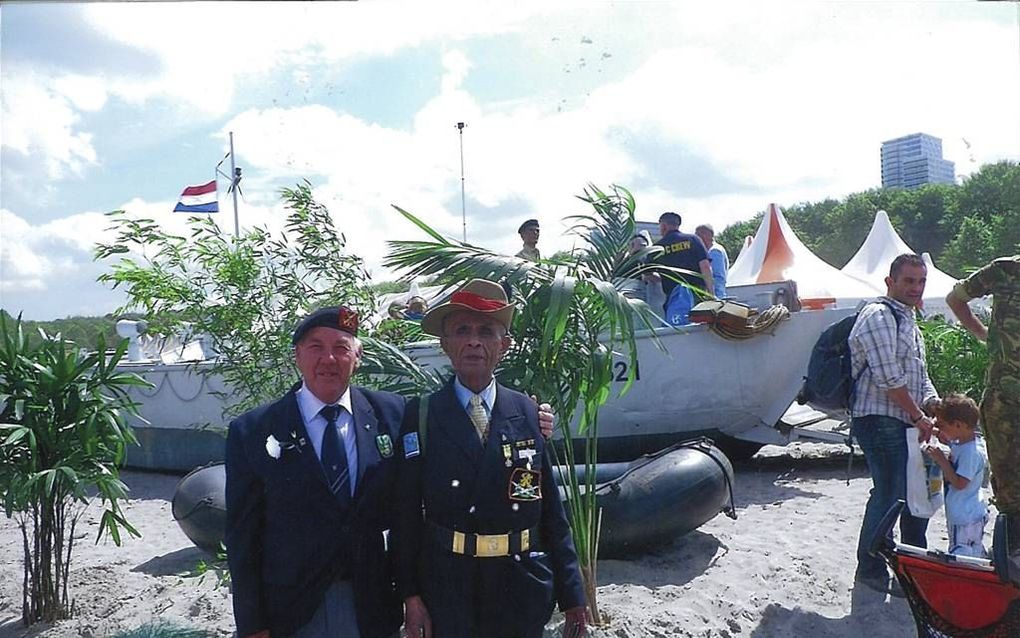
[777, 254]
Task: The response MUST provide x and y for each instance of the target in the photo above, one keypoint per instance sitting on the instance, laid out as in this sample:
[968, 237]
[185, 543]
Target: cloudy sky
[713, 111]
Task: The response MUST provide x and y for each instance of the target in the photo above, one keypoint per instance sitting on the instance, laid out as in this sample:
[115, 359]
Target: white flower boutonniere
[273, 447]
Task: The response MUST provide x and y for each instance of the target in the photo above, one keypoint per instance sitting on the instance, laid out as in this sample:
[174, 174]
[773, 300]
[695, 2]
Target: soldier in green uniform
[1000, 405]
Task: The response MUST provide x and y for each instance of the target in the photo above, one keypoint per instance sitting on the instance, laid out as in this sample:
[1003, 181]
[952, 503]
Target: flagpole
[463, 208]
[233, 173]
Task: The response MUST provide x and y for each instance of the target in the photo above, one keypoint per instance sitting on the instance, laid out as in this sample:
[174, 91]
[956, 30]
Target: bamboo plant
[63, 435]
[573, 318]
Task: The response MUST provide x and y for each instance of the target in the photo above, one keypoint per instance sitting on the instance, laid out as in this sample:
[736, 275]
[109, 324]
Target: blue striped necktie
[334, 456]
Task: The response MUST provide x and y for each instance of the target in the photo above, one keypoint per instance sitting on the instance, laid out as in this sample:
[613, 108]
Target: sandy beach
[783, 568]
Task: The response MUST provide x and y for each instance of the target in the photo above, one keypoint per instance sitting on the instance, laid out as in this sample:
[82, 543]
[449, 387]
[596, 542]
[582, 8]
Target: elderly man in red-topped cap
[482, 543]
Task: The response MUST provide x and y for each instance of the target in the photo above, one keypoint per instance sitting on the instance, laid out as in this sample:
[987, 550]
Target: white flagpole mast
[234, 185]
[235, 180]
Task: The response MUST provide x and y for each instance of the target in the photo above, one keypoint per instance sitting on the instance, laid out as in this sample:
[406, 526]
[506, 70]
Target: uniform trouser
[885, 447]
[499, 597]
[1000, 420]
[335, 617]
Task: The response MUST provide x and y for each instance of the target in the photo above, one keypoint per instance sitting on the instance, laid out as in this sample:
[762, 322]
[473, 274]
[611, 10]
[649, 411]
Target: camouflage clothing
[1000, 405]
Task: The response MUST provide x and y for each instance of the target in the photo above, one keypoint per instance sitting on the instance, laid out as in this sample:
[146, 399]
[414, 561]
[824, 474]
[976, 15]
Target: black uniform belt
[483, 545]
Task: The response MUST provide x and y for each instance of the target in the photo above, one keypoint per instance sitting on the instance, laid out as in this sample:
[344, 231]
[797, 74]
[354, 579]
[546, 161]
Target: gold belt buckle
[489, 545]
[458, 543]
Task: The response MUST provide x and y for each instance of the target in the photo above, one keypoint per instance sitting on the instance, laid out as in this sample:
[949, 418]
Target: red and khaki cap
[478, 295]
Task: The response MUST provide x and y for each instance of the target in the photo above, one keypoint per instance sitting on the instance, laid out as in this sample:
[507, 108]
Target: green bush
[62, 437]
[956, 360]
[162, 629]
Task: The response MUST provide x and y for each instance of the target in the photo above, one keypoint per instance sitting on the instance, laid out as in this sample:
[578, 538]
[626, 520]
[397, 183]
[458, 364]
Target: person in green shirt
[1000, 404]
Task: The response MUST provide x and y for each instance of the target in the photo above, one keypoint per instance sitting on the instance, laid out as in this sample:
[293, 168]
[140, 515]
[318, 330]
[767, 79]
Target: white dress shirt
[309, 405]
[464, 395]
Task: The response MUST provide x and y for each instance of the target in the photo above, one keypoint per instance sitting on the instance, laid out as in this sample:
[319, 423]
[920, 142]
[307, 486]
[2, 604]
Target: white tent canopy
[776, 254]
[882, 245]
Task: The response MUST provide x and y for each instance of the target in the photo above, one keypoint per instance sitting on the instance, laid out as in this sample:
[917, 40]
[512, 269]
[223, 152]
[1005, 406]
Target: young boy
[966, 513]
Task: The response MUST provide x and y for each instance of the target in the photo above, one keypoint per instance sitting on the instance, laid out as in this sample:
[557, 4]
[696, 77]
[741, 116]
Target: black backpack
[829, 383]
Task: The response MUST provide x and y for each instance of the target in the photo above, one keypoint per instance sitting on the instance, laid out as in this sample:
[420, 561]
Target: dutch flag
[199, 199]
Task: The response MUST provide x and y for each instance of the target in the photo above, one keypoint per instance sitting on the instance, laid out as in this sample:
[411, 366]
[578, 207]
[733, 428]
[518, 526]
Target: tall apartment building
[913, 160]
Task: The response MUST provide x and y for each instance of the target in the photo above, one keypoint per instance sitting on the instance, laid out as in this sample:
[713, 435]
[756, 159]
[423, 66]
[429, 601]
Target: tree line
[83, 331]
[963, 226]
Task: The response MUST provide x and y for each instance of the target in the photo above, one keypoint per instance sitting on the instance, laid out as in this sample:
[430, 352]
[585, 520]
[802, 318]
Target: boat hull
[650, 501]
[699, 384]
[690, 382]
[200, 506]
[661, 497]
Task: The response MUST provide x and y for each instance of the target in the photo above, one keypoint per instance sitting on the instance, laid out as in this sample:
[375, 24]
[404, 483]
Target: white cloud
[254, 38]
[39, 120]
[86, 93]
[33, 256]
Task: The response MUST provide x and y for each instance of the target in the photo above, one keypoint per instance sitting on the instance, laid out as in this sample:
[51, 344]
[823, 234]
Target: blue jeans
[883, 440]
[678, 306]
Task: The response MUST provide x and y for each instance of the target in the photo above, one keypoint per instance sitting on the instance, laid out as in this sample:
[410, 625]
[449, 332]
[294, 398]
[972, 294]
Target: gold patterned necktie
[478, 416]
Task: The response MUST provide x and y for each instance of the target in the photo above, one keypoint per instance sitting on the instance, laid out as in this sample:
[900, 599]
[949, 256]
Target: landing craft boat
[697, 384]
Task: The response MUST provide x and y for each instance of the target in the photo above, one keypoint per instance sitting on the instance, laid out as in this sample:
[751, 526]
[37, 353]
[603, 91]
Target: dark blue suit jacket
[466, 487]
[286, 538]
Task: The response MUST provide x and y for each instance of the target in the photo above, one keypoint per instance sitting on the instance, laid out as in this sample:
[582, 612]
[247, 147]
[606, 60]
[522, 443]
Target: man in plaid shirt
[892, 393]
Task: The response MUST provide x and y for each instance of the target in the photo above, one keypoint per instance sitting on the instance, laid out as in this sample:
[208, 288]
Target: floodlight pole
[463, 206]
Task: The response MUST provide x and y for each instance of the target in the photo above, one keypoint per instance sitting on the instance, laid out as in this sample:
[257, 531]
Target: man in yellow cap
[482, 543]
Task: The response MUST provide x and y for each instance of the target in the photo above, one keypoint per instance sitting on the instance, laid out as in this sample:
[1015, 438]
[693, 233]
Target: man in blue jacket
[309, 481]
[482, 544]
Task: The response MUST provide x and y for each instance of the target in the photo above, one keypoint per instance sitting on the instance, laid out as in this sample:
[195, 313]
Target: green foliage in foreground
[572, 318]
[956, 360]
[248, 293]
[63, 436]
[163, 629]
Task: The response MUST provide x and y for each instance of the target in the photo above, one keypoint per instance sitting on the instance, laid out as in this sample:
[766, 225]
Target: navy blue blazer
[458, 484]
[286, 538]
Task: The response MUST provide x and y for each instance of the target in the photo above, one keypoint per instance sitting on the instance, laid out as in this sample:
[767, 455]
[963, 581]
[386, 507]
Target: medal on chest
[525, 484]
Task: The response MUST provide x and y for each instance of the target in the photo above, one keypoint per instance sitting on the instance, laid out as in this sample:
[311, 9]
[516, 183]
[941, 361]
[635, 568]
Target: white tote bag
[924, 479]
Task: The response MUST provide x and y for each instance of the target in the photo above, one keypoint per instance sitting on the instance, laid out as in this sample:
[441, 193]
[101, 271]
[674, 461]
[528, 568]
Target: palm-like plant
[63, 435]
[573, 317]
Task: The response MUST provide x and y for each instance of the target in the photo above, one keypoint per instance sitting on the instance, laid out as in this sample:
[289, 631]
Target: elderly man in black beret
[309, 479]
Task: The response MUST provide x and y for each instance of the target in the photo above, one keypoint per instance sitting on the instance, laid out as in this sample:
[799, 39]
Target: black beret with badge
[336, 317]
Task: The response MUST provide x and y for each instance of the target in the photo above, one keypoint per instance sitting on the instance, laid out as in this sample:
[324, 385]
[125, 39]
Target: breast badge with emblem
[385, 445]
[525, 485]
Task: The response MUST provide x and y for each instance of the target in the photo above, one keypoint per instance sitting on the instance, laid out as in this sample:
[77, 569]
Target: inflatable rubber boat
[649, 501]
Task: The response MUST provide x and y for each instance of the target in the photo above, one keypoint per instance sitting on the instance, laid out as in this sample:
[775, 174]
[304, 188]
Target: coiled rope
[764, 322]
